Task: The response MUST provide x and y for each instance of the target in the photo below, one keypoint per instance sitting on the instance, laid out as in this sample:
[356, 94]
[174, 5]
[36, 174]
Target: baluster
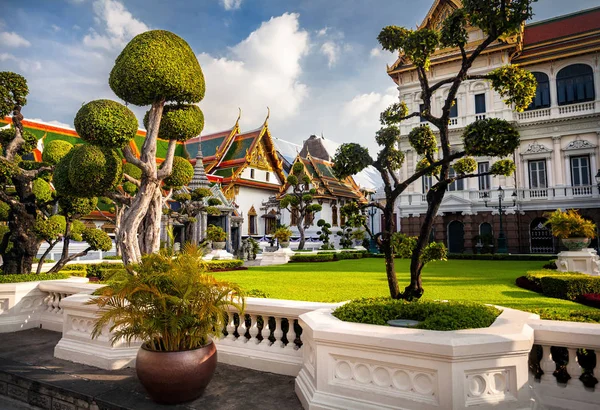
[266, 332]
[48, 302]
[54, 303]
[242, 329]
[573, 366]
[547, 364]
[230, 327]
[278, 333]
[291, 336]
[254, 329]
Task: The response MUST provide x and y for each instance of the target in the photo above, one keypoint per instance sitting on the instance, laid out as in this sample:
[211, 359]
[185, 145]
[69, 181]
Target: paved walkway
[27, 360]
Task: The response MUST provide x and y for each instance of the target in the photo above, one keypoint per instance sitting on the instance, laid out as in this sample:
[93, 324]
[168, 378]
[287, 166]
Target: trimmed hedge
[432, 315]
[501, 257]
[526, 283]
[224, 265]
[328, 257]
[569, 287]
[348, 255]
[33, 277]
[590, 299]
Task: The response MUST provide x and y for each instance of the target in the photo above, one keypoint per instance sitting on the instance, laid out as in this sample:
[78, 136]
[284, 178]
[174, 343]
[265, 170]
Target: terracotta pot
[576, 244]
[284, 244]
[176, 377]
[217, 246]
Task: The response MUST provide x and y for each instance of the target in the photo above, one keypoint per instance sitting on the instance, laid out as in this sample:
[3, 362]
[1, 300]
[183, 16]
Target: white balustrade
[573, 345]
[533, 115]
[479, 117]
[51, 317]
[577, 108]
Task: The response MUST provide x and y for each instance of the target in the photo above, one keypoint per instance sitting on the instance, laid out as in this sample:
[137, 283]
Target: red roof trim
[562, 27]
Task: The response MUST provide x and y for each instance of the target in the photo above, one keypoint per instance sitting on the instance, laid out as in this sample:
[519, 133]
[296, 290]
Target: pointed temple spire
[199, 180]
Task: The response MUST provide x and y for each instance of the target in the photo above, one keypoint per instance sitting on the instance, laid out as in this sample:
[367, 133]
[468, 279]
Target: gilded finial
[239, 115]
[268, 115]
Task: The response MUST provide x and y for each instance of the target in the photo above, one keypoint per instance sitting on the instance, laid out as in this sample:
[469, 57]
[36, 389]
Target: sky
[316, 64]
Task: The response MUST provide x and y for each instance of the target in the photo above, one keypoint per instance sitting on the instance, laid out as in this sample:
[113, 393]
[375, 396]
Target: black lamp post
[502, 242]
[598, 180]
[372, 212]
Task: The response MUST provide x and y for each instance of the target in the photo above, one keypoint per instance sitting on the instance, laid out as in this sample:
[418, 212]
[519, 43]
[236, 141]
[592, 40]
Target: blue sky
[316, 64]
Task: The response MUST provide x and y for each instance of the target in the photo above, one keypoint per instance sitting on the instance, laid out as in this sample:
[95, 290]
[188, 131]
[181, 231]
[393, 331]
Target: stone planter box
[358, 366]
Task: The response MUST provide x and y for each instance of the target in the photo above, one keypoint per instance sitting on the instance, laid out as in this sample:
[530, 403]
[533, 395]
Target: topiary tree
[155, 68]
[298, 199]
[324, 234]
[20, 182]
[489, 137]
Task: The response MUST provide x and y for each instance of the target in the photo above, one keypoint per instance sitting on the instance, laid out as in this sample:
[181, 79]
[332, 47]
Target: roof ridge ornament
[237, 122]
[268, 115]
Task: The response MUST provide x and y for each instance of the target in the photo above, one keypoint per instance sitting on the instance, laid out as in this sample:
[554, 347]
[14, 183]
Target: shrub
[501, 257]
[590, 299]
[181, 174]
[319, 257]
[112, 258]
[216, 234]
[37, 260]
[338, 256]
[569, 287]
[106, 123]
[570, 224]
[283, 234]
[432, 315]
[33, 277]
[403, 245]
[78, 273]
[224, 265]
[526, 283]
[257, 293]
[550, 265]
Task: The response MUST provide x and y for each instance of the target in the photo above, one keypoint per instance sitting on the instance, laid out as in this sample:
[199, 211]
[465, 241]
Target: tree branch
[120, 198]
[167, 165]
[133, 160]
[131, 179]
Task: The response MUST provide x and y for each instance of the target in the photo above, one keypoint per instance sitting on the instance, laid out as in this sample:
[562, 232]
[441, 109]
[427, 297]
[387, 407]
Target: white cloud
[12, 39]
[331, 51]
[119, 24]
[262, 70]
[25, 65]
[322, 32]
[375, 52]
[364, 109]
[231, 4]
[55, 28]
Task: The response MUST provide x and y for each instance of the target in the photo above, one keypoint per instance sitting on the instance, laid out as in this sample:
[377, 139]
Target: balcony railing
[534, 115]
[557, 111]
[577, 108]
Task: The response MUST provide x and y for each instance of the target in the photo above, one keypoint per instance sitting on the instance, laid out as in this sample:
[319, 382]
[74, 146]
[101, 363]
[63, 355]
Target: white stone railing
[533, 115]
[577, 108]
[563, 364]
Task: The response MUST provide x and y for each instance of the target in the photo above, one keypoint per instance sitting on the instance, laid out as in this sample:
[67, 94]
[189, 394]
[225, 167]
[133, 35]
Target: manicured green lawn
[462, 280]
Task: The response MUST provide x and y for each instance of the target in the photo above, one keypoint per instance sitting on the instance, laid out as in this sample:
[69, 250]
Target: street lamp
[502, 242]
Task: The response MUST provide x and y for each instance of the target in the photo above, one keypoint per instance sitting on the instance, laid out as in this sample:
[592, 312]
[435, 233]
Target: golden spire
[268, 115]
[237, 122]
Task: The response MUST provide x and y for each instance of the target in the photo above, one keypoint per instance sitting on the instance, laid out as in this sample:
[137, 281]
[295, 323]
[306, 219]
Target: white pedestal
[220, 254]
[280, 257]
[584, 261]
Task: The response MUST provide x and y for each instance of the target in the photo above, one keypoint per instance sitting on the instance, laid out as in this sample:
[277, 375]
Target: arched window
[485, 229]
[542, 93]
[575, 84]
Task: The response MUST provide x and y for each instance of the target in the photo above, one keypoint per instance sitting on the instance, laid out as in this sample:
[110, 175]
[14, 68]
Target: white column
[557, 170]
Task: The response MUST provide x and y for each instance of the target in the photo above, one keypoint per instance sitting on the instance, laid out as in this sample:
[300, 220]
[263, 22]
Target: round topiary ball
[42, 190]
[182, 173]
[94, 170]
[97, 239]
[491, 137]
[179, 122]
[106, 123]
[55, 150]
[60, 177]
[157, 65]
[72, 205]
[132, 170]
[8, 134]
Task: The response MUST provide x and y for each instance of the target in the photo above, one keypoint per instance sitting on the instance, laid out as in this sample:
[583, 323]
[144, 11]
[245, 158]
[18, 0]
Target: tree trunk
[150, 228]
[434, 199]
[302, 234]
[64, 257]
[25, 244]
[386, 246]
[43, 258]
[118, 217]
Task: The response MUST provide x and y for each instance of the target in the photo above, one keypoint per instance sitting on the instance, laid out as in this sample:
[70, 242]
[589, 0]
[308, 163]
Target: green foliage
[4, 211]
[199, 193]
[454, 29]
[283, 234]
[298, 168]
[505, 167]
[55, 150]
[76, 206]
[417, 45]
[212, 210]
[355, 215]
[319, 257]
[31, 277]
[314, 208]
[181, 175]
[423, 140]
[393, 114]
[350, 159]
[424, 164]
[132, 170]
[93, 170]
[403, 245]
[179, 122]
[77, 228]
[7, 170]
[13, 92]
[516, 84]
[97, 239]
[569, 287]
[157, 65]
[292, 180]
[27, 165]
[324, 234]
[60, 177]
[498, 17]
[435, 251]
[289, 200]
[500, 257]
[490, 137]
[392, 38]
[345, 235]
[42, 190]
[224, 265]
[182, 197]
[388, 136]
[170, 303]
[106, 123]
[214, 202]
[465, 165]
[432, 315]
[215, 234]
[358, 234]
[50, 229]
[570, 224]
[8, 134]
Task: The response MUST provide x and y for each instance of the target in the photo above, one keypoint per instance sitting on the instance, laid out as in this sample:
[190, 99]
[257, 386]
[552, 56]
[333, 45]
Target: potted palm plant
[174, 308]
[283, 235]
[574, 231]
[217, 236]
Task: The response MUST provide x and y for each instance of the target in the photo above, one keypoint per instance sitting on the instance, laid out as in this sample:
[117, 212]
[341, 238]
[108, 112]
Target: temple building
[557, 161]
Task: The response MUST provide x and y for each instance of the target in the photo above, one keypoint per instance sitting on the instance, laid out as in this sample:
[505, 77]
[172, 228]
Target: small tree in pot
[174, 308]
[574, 231]
[217, 236]
[283, 235]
